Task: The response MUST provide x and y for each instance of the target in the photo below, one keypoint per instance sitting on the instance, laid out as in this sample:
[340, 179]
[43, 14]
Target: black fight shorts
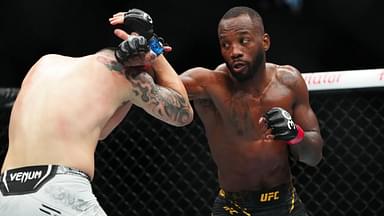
[278, 201]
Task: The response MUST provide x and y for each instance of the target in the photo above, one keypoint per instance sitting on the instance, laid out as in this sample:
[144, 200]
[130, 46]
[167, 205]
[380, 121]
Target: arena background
[148, 168]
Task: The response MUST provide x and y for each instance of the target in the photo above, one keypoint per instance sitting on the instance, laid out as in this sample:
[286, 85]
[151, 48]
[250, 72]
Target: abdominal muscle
[250, 165]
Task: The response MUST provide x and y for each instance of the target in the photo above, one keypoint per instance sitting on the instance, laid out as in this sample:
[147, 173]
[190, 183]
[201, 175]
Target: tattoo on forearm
[166, 103]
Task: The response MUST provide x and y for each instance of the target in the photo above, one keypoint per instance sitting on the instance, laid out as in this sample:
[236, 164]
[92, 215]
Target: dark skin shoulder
[199, 81]
[204, 88]
[288, 76]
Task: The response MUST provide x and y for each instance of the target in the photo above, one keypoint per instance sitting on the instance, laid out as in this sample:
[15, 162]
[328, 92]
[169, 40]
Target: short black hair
[241, 10]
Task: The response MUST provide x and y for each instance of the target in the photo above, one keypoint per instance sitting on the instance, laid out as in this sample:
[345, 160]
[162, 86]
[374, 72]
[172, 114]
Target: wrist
[155, 46]
[299, 137]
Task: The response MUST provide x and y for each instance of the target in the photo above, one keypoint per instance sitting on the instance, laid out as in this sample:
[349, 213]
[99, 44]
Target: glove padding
[282, 125]
[133, 46]
[136, 20]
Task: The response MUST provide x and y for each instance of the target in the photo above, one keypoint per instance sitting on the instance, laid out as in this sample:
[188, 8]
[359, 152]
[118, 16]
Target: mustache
[253, 67]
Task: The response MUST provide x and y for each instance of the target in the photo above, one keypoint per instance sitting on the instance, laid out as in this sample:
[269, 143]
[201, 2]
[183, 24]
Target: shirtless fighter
[255, 115]
[64, 107]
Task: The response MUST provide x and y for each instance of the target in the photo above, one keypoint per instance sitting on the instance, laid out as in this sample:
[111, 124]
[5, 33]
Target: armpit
[204, 103]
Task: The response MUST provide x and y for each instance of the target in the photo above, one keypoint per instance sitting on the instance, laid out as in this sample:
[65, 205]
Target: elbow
[103, 137]
[314, 157]
[104, 134]
[188, 119]
[184, 118]
[312, 153]
[312, 161]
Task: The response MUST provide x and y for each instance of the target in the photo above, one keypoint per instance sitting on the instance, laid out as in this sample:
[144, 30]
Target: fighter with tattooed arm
[64, 107]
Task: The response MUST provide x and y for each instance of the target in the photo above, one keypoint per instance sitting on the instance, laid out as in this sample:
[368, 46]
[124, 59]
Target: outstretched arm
[162, 102]
[167, 98]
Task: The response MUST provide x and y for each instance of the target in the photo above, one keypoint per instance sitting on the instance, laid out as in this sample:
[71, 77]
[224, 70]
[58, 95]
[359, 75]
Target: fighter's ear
[266, 42]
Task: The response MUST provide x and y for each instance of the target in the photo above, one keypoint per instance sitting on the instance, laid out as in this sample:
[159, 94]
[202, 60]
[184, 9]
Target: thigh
[299, 209]
[223, 207]
[19, 205]
[220, 207]
[95, 210]
[62, 195]
[22, 205]
[73, 194]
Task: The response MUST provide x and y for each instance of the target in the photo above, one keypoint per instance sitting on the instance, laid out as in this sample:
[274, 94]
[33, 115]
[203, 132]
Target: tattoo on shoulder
[164, 103]
[111, 64]
[289, 76]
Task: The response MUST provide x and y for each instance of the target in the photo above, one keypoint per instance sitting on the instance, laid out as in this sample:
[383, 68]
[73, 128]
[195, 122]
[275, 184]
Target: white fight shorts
[47, 190]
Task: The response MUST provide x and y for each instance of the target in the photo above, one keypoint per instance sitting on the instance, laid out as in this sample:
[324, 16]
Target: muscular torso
[64, 106]
[245, 160]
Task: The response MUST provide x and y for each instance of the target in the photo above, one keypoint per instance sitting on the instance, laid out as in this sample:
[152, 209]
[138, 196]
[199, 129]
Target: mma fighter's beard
[255, 65]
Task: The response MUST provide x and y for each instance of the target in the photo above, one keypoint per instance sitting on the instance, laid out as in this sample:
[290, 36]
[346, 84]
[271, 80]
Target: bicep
[306, 118]
[163, 103]
[310, 149]
[303, 112]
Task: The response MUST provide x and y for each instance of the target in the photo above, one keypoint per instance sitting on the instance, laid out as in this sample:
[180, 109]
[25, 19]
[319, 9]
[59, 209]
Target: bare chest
[239, 112]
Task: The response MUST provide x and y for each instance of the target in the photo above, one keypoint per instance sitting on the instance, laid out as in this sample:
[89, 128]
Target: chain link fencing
[146, 167]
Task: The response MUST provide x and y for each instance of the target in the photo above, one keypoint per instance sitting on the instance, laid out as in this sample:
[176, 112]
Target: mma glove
[283, 127]
[136, 20]
[134, 45]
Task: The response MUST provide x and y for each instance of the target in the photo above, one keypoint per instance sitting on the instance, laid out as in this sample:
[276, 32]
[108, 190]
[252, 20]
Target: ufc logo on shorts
[266, 197]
